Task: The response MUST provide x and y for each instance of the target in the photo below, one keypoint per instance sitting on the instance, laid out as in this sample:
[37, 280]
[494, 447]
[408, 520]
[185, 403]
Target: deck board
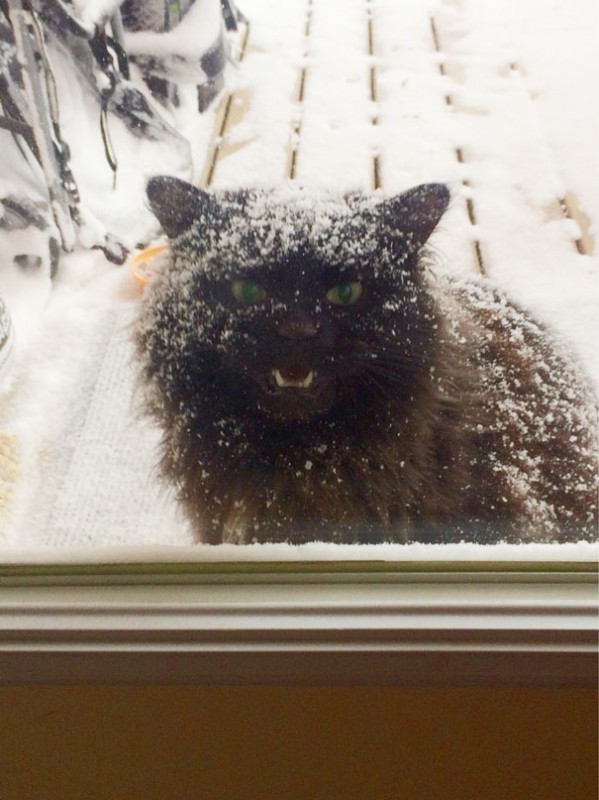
[418, 140]
[256, 139]
[335, 149]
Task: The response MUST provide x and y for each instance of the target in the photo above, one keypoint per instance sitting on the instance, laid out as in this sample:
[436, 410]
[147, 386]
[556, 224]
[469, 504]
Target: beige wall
[203, 743]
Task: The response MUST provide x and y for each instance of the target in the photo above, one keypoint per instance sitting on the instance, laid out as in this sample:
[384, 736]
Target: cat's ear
[416, 211]
[177, 204]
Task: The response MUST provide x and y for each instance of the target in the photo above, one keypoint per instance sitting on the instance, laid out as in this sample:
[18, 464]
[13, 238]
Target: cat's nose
[297, 326]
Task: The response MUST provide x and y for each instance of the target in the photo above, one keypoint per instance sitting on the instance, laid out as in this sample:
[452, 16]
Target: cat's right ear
[417, 211]
[177, 204]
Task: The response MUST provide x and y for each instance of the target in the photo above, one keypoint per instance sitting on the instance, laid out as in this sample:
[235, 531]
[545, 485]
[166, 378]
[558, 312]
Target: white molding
[428, 627]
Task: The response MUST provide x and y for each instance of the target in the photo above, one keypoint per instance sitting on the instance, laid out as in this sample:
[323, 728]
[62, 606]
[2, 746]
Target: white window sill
[455, 623]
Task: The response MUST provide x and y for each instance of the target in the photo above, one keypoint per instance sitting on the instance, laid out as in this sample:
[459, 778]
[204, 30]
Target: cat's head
[297, 303]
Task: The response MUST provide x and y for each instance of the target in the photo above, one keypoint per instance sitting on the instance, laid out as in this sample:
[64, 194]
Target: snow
[499, 110]
[580, 552]
[94, 12]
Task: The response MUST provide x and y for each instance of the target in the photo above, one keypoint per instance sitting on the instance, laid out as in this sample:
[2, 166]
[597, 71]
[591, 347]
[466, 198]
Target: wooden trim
[400, 628]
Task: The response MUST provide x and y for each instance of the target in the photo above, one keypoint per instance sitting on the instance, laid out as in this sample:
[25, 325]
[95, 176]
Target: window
[99, 568]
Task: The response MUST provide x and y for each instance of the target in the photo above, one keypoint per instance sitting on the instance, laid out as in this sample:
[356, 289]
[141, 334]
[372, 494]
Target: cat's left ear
[416, 211]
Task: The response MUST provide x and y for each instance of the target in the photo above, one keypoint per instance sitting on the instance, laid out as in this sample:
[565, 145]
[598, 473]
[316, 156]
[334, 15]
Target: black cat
[315, 382]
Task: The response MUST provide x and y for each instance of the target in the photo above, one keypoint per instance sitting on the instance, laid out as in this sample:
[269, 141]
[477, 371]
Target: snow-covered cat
[314, 381]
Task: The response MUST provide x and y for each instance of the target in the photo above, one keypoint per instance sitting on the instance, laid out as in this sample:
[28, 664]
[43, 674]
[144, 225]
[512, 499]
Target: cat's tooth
[307, 380]
[280, 380]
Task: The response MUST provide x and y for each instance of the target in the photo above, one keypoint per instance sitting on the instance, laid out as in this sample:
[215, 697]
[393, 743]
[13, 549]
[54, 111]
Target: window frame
[411, 623]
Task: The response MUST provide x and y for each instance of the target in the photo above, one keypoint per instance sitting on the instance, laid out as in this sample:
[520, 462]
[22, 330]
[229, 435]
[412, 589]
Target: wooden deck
[377, 126]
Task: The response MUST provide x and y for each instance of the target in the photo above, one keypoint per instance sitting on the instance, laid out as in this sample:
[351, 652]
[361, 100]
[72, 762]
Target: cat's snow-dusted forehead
[287, 220]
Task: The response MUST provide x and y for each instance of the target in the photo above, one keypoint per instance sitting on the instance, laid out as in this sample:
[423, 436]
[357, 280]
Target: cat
[315, 382]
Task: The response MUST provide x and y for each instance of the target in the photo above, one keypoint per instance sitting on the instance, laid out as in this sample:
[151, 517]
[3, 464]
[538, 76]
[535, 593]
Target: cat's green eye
[247, 291]
[345, 294]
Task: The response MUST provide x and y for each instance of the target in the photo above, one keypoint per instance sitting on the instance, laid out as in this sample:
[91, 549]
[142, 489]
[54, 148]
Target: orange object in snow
[141, 264]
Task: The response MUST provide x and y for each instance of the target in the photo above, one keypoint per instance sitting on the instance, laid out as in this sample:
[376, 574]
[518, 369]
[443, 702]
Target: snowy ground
[488, 97]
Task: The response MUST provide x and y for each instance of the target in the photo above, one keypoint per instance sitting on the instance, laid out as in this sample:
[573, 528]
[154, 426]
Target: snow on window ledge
[574, 552]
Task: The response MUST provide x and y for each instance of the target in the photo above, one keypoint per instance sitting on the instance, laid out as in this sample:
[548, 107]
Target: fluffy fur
[314, 382]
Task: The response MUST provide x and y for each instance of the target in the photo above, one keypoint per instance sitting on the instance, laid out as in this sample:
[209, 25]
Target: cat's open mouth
[293, 377]
[295, 392]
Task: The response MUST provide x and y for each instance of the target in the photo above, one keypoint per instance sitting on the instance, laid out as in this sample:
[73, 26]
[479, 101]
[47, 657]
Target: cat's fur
[435, 410]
